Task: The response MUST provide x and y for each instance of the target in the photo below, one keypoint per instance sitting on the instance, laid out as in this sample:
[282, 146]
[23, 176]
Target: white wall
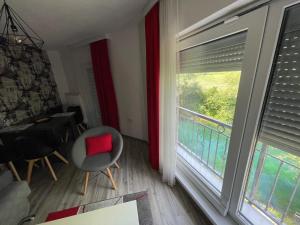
[127, 56]
[129, 80]
[59, 74]
[192, 11]
[128, 76]
[77, 65]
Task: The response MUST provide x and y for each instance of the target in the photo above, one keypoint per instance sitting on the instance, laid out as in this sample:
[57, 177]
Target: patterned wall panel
[27, 86]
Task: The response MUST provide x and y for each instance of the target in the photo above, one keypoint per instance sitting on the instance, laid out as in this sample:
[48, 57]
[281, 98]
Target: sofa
[14, 203]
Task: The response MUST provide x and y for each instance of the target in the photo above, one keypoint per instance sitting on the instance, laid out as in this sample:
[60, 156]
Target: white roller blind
[222, 55]
[281, 120]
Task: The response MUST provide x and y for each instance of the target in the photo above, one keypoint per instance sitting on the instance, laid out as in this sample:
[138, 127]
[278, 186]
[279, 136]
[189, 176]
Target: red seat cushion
[98, 144]
[62, 214]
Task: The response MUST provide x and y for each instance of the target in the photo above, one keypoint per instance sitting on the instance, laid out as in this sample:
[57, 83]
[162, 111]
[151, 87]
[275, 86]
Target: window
[239, 115]
[273, 186]
[208, 84]
[215, 85]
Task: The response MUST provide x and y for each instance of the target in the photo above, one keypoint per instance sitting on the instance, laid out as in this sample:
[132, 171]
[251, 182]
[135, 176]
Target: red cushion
[98, 144]
[62, 214]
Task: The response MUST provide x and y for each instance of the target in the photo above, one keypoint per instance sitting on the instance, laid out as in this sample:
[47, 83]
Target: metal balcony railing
[207, 139]
[266, 206]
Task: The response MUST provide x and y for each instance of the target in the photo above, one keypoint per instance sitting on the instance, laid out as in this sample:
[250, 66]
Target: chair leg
[50, 168]
[111, 178]
[81, 126]
[29, 170]
[58, 155]
[78, 129]
[117, 165]
[14, 171]
[2, 167]
[43, 163]
[86, 181]
[67, 137]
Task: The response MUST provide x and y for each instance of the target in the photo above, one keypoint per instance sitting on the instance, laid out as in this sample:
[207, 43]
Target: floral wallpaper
[27, 86]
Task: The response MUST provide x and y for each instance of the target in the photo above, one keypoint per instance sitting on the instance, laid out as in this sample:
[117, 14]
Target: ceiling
[67, 22]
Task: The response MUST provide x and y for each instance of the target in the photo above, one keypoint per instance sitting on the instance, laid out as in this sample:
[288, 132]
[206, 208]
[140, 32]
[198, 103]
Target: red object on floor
[104, 84]
[62, 214]
[153, 65]
[98, 144]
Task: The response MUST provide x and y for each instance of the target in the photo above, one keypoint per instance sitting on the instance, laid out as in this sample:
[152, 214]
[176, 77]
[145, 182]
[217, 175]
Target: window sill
[212, 180]
[208, 208]
[254, 216]
[191, 186]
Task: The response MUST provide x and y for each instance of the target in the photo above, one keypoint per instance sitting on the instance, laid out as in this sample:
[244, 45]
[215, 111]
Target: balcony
[273, 190]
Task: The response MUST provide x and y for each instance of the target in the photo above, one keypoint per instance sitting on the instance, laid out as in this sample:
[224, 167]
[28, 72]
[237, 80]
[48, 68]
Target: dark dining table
[49, 129]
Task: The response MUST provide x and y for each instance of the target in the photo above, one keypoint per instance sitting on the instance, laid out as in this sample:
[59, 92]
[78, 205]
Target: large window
[214, 87]
[273, 186]
[208, 84]
[239, 115]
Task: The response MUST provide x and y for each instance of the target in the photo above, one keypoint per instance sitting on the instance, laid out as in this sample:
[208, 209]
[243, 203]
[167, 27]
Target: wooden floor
[169, 206]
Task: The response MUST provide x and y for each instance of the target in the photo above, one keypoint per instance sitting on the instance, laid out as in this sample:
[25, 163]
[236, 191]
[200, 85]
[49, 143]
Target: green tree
[211, 94]
[219, 104]
[191, 96]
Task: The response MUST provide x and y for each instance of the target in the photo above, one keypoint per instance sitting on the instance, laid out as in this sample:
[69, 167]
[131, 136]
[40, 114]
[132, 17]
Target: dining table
[51, 129]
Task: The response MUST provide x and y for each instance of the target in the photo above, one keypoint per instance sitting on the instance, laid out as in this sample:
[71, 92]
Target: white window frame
[254, 23]
[273, 25]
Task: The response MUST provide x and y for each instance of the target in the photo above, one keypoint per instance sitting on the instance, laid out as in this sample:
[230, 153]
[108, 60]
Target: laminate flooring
[169, 205]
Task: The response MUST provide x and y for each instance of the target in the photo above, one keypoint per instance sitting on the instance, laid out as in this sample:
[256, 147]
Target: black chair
[8, 156]
[78, 117]
[33, 151]
[56, 109]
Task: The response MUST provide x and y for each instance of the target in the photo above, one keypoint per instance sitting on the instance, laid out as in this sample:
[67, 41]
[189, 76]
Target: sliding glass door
[216, 73]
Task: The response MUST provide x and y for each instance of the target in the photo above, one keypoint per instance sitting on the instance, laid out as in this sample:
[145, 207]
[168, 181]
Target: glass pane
[208, 84]
[273, 187]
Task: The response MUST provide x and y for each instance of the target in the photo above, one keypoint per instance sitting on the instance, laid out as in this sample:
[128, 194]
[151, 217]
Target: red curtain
[152, 61]
[104, 84]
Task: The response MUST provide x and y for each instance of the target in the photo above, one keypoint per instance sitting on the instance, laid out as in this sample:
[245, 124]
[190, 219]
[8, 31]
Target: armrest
[5, 179]
[14, 190]
[14, 203]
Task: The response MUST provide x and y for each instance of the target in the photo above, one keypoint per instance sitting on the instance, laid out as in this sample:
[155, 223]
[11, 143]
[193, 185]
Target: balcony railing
[277, 180]
[207, 140]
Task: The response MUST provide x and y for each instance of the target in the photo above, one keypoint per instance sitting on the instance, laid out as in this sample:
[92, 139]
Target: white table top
[121, 214]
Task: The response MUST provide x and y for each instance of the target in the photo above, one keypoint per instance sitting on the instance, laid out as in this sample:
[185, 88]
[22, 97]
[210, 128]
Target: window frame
[260, 90]
[253, 23]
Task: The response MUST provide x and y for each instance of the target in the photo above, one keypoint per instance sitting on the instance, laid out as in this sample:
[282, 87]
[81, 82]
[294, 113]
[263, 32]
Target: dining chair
[100, 162]
[33, 151]
[8, 156]
[78, 117]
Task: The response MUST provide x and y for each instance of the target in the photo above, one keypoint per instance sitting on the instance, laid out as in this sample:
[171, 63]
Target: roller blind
[225, 54]
[281, 120]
